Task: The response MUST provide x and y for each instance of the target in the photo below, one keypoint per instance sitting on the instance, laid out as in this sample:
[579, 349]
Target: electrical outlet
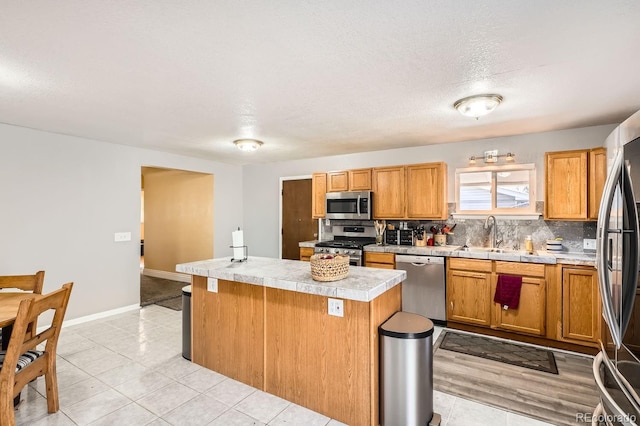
[336, 307]
[212, 285]
[589, 244]
[119, 237]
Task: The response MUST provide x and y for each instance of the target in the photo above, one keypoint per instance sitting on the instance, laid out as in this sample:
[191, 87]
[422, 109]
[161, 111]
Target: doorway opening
[176, 226]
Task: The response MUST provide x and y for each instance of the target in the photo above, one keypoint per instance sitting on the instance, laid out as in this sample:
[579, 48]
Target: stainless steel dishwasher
[423, 292]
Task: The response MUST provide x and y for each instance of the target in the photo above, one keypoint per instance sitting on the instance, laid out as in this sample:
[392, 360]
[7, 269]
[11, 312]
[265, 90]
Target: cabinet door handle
[452, 306]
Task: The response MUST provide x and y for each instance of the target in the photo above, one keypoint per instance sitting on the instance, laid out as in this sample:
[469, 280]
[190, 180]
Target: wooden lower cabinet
[471, 286]
[228, 329]
[581, 309]
[469, 291]
[559, 304]
[380, 260]
[306, 253]
[529, 318]
[284, 342]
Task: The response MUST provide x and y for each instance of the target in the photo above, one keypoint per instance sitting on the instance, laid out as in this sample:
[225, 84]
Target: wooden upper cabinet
[337, 181]
[427, 191]
[573, 183]
[581, 313]
[319, 190]
[566, 185]
[416, 191]
[389, 192]
[360, 180]
[349, 180]
[597, 178]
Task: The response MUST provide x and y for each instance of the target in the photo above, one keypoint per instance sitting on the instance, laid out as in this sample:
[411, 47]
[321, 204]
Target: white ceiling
[313, 78]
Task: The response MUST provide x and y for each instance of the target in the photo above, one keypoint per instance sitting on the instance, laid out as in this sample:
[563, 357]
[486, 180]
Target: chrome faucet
[494, 242]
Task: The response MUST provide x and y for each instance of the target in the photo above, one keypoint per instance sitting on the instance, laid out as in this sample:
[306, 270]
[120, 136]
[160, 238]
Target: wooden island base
[285, 343]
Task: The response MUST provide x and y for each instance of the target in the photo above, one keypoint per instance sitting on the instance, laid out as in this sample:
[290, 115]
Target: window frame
[494, 170]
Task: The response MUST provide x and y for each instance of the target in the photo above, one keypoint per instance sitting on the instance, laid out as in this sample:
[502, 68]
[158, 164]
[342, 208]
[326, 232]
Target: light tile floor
[128, 370]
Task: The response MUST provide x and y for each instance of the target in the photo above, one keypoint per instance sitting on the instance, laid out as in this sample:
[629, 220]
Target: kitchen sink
[487, 250]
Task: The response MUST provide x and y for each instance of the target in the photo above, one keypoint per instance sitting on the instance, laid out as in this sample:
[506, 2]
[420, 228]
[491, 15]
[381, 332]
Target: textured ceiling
[313, 78]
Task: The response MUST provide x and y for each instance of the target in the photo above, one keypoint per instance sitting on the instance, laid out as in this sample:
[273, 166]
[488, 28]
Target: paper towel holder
[245, 255]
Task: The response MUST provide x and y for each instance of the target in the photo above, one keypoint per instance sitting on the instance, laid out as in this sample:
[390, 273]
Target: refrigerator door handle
[604, 260]
[610, 255]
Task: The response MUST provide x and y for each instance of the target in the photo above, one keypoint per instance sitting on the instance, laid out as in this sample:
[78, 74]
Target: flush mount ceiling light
[477, 105]
[247, 144]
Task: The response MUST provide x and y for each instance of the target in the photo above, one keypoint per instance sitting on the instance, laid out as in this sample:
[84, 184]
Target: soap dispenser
[528, 244]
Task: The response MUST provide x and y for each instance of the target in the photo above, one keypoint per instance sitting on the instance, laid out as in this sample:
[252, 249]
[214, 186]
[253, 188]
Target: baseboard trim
[174, 276]
[99, 315]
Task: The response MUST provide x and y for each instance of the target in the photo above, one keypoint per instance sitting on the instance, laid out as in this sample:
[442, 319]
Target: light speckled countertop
[310, 244]
[539, 256]
[362, 284]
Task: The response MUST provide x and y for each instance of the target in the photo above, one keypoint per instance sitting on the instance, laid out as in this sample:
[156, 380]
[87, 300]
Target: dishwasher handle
[417, 260]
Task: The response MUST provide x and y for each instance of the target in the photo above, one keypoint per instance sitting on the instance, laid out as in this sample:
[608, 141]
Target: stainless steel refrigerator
[616, 369]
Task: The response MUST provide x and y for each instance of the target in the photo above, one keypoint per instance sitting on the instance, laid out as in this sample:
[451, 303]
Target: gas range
[345, 244]
[349, 246]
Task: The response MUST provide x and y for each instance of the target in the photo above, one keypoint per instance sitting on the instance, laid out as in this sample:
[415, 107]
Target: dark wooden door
[297, 224]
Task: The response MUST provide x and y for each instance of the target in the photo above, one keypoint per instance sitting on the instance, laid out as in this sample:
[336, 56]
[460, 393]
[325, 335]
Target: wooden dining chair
[23, 282]
[22, 362]
[31, 283]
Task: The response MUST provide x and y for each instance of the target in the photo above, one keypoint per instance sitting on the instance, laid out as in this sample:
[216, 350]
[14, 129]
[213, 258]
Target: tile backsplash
[512, 232]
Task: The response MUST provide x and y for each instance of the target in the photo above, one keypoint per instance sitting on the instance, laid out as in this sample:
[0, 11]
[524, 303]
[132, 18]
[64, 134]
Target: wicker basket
[329, 269]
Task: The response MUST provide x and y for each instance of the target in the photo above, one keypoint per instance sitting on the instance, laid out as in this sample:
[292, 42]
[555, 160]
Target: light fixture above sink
[491, 157]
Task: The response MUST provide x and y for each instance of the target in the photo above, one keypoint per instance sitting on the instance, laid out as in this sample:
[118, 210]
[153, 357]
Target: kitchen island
[265, 322]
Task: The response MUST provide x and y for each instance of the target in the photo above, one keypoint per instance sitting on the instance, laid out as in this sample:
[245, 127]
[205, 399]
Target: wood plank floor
[551, 398]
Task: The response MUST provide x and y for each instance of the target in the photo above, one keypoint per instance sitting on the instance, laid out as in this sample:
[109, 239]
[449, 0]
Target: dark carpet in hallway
[160, 291]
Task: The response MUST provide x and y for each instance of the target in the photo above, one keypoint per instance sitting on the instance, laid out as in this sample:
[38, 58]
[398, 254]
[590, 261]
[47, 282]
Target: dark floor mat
[174, 303]
[552, 398]
[154, 289]
[500, 350]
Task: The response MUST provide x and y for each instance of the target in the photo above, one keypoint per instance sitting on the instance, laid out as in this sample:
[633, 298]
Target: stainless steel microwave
[349, 205]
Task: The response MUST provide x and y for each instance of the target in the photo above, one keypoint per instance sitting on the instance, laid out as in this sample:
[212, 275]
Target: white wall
[62, 198]
[261, 182]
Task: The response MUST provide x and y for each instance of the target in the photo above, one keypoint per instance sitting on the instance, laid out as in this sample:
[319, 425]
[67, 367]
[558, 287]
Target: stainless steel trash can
[186, 322]
[406, 371]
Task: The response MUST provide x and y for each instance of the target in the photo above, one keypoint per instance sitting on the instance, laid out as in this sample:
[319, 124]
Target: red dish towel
[508, 291]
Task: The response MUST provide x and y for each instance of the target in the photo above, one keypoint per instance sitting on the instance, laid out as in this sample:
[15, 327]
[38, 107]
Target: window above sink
[496, 190]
